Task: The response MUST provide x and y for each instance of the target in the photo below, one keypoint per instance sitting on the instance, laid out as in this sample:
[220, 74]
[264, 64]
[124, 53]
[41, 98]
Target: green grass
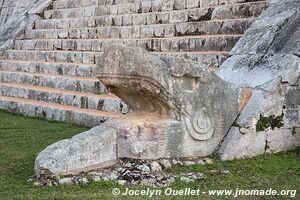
[21, 138]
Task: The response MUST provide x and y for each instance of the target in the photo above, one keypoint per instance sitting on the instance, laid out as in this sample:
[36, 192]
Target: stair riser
[80, 101]
[150, 31]
[233, 11]
[68, 69]
[52, 113]
[156, 45]
[54, 56]
[62, 4]
[153, 5]
[211, 60]
[243, 10]
[192, 15]
[54, 82]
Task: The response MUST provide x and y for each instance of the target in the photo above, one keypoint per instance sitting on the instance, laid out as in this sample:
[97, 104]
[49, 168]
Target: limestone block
[163, 17]
[93, 149]
[159, 31]
[63, 34]
[146, 31]
[156, 6]
[112, 10]
[281, 140]
[200, 15]
[167, 5]
[135, 32]
[134, 8]
[146, 6]
[192, 3]
[179, 16]
[239, 11]
[128, 20]
[138, 20]
[238, 145]
[205, 3]
[169, 31]
[125, 32]
[151, 18]
[118, 20]
[113, 32]
[108, 21]
[179, 4]
[124, 9]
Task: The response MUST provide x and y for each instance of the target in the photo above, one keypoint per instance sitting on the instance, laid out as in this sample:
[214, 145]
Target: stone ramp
[54, 63]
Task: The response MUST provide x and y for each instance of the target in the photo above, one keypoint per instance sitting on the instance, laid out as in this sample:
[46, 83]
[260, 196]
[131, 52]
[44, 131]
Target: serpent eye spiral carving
[201, 126]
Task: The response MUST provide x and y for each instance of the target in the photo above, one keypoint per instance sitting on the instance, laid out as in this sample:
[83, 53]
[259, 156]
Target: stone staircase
[50, 72]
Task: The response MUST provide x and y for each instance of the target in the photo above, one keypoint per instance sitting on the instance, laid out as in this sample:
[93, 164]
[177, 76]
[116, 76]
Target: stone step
[210, 58]
[241, 9]
[59, 68]
[187, 43]
[80, 84]
[56, 112]
[51, 56]
[62, 4]
[156, 4]
[102, 102]
[234, 26]
[93, 10]
[235, 11]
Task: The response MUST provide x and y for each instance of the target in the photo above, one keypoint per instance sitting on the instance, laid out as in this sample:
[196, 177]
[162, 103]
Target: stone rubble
[130, 172]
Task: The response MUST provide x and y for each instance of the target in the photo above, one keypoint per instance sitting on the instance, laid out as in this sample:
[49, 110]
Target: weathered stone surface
[281, 140]
[251, 144]
[175, 89]
[266, 60]
[93, 149]
[21, 18]
[237, 145]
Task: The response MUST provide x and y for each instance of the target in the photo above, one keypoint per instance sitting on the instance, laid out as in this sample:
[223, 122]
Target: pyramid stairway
[50, 71]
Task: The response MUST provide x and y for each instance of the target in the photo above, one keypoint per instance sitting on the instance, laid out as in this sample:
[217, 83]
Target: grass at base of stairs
[22, 138]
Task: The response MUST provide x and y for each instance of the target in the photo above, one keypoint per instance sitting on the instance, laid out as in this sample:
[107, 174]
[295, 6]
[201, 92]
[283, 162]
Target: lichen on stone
[269, 122]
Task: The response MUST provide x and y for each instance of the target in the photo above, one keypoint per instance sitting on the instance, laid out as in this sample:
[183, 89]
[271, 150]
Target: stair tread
[166, 52]
[61, 107]
[53, 75]
[205, 7]
[163, 24]
[56, 4]
[40, 62]
[153, 38]
[61, 91]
